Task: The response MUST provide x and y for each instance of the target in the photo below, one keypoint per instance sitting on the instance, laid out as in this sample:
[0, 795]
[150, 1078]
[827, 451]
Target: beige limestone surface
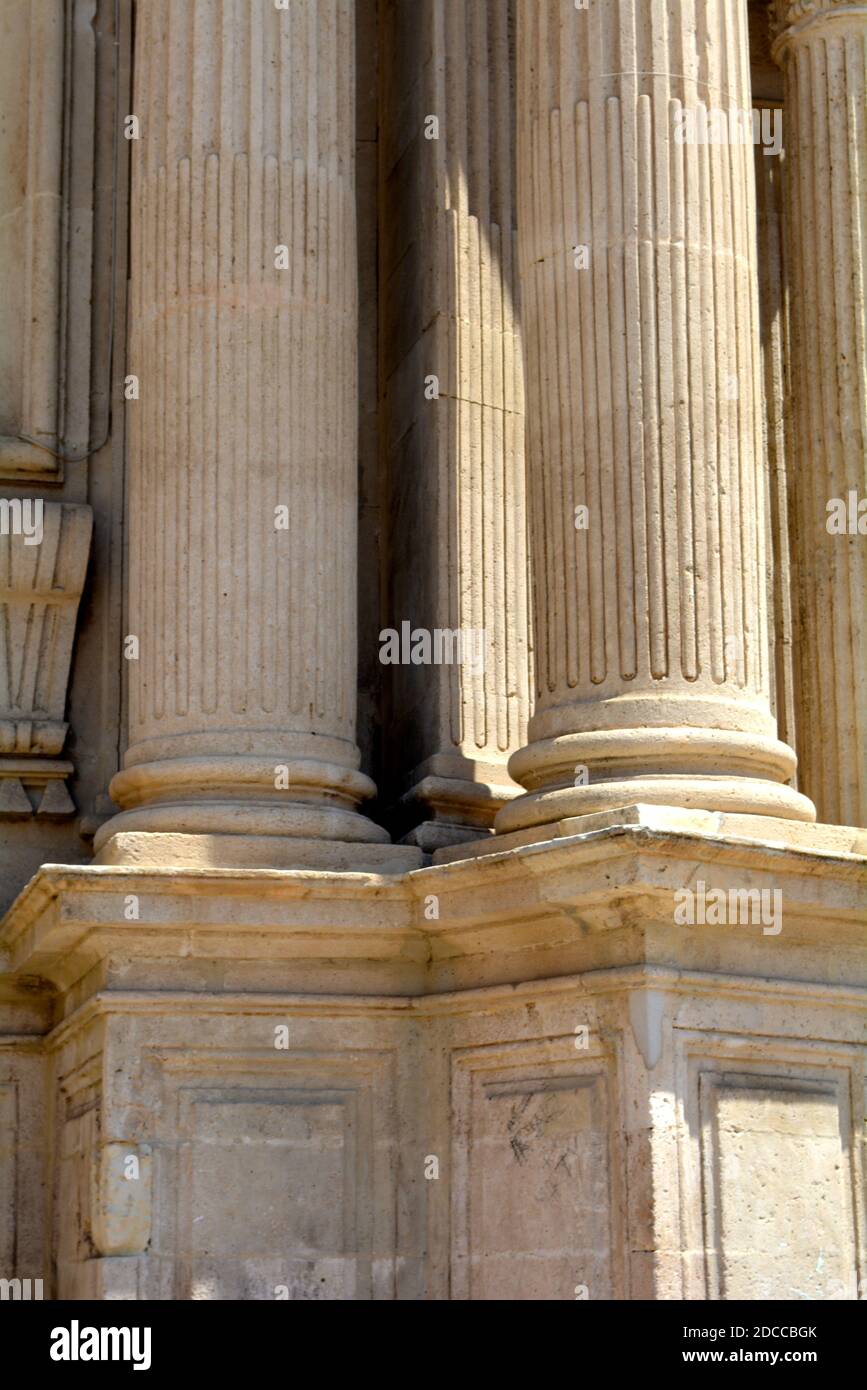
[249, 1048]
[243, 489]
[641, 336]
[548, 1088]
[822, 48]
[453, 409]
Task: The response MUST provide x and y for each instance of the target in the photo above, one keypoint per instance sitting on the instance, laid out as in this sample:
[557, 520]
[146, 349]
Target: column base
[433, 835]
[217, 805]
[170, 849]
[747, 796]
[732, 771]
[781, 832]
[452, 800]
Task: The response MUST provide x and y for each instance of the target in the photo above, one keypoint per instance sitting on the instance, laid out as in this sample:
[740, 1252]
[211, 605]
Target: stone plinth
[533, 1075]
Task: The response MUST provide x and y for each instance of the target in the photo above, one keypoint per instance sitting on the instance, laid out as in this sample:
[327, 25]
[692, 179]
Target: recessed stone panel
[777, 1188]
[536, 1204]
[269, 1204]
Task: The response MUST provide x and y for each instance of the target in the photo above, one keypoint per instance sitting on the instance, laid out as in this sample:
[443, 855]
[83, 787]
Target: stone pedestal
[640, 320]
[822, 47]
[558, 1072]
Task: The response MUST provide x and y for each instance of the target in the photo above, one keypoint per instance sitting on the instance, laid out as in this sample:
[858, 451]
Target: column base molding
[452, 810]
[781, 832]
[747, 796]
[226, 798]
[169, 849]
[577, 773]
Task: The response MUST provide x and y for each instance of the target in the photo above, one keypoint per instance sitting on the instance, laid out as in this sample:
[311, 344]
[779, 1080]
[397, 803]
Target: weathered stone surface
[42, 573]
[121, 1200]
[640, 322]
[323, 1072]
[454, 460]
[253, 1050]
[31, 230]
[243, 491]
[823, 51]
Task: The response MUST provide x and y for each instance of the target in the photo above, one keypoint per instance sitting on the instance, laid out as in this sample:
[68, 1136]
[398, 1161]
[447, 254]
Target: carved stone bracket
[41, 580]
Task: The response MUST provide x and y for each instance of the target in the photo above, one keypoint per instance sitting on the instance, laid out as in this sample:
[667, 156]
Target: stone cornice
[581, 903]
[792, 20]
[684, 984]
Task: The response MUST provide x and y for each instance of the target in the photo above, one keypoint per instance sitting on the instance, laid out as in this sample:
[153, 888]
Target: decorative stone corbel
[42, 570]
[646, 1018]
[121, 1201]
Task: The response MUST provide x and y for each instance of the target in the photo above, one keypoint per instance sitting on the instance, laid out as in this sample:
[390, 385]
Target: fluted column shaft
[773, 303]
[455, 463]
[242, 486]
[640, 318]
[822, 46]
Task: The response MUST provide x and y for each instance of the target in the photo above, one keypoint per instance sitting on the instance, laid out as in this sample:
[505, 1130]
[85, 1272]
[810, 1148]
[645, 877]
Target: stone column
[242, 469]
[452, 412]
[822, 46]
[640, 318]
[773, 308]
[31, 238]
